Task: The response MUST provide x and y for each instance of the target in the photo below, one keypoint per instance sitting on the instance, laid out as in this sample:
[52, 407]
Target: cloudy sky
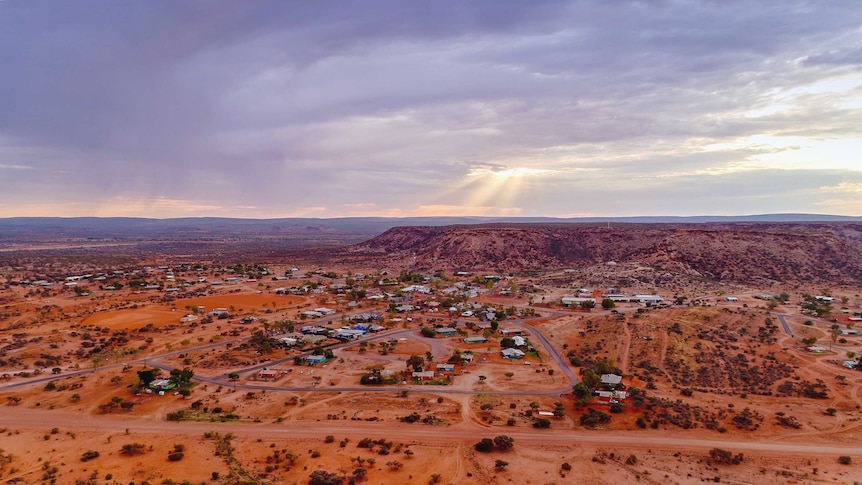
[395, 108]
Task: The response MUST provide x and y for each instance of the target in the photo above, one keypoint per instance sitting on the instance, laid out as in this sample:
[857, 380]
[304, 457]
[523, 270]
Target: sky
[267, 109]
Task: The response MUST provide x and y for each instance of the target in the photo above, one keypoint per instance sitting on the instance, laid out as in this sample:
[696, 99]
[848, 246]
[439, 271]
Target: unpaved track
[20, 418]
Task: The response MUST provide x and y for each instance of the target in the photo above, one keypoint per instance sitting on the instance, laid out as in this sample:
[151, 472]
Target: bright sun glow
[508, 172]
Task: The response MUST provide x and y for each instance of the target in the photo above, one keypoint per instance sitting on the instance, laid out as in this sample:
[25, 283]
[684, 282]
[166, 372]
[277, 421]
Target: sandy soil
[663, 349]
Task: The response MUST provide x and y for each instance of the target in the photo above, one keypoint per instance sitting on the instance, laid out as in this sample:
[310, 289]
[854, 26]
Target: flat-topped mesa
[739, 253]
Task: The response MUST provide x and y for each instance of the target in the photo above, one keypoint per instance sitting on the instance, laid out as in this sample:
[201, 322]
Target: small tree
[416, 362]
[504, 442]
[485, 445]
[500, 464]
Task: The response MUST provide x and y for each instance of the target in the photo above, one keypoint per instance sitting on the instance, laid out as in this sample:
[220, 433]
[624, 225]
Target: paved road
[783, 319]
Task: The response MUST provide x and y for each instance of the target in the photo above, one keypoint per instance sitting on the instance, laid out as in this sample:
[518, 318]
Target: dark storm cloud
[391, 104]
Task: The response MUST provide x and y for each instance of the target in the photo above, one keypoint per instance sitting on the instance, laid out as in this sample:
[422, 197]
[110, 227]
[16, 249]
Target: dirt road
[20, 418]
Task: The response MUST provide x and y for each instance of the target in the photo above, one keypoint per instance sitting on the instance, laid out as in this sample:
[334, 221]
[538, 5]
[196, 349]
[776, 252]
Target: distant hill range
[758, 249]
[353, 229]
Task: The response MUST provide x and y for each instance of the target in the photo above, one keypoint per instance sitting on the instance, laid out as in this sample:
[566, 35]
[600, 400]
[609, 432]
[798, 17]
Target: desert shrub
[410, 418]
[504, 442]
[329, 439]
[89, 455]
[593, 418]
[724, 457]
[132, 449]
[844, 460]
[485, 445]
[175, 456]
[322, 477]
[542, 423]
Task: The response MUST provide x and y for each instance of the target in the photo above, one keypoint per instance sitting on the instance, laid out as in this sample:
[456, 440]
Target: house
[288, 341]
[311, 314]
[511, 331]
[475, 340]
[416, 289]
[348, 334]
[216, 312]
[315, 359]
[611, 395]
[512, 354]
[467, 356]
[162, 385]
[446, 331]
[446, 367]
[189, 318]
[571, 301]
[611, 380]
[314, 329]
[405, 308]
[519, 341]
[646, 298]
[268, 374]
[731, 299]
[814, 349]
[427, 375]
[324, 311]
[313, 339]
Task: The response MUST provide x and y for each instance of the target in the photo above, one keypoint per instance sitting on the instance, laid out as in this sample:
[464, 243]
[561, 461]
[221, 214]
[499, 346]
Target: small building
[348, 334]
[162, 385]
[478, 339]
[315, 359]
[611, 380]
[646, 298]
[467, 356]
[313, 339]
[268, 374]
[611, 395]
[446, 367]
[571, 301]
[511, 331]
[731, 299]
[288, 341]
[216, 312]
[512, 354]
[427, 375]
[815, 349]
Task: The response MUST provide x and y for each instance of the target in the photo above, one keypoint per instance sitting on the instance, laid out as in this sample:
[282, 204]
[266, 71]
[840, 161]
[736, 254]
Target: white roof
[611, 379]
